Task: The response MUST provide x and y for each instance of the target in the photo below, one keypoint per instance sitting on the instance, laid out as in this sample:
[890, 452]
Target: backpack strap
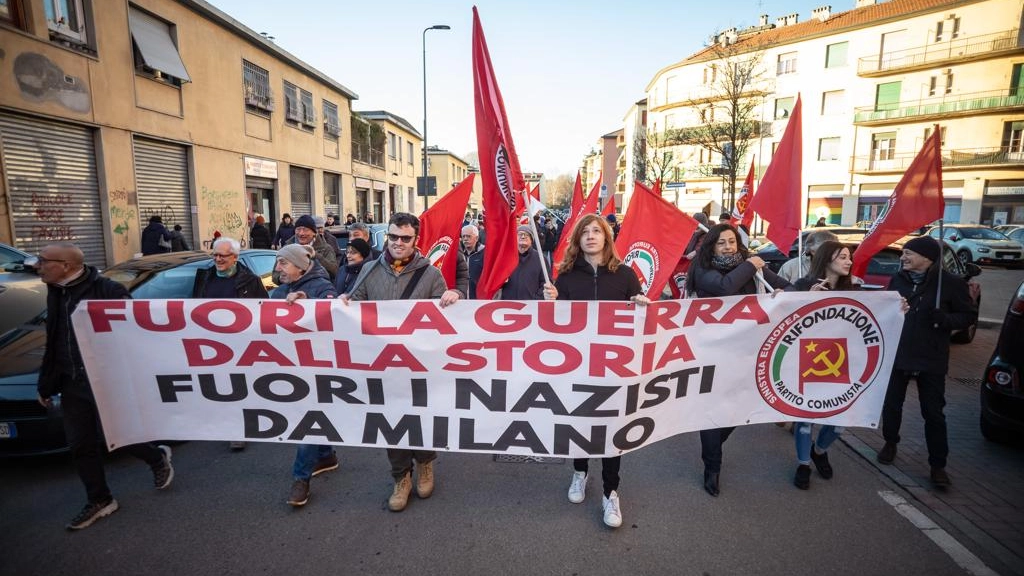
[413, 282]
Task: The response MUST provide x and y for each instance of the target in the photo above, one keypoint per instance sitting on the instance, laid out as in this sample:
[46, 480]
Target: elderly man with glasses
[227, 278]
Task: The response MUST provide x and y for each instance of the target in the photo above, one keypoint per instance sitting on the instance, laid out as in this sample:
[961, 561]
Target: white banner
[533, 378]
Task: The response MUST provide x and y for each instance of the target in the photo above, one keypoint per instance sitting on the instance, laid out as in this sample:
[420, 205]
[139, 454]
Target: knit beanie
[306, 221]
[298, 254]
[925, 246]
[524, 229]
[360, 246]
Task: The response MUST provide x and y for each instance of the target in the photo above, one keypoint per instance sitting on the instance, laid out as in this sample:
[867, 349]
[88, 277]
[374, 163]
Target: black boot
[822, 464]
[711, 482]
[887, 454]
[802, 480]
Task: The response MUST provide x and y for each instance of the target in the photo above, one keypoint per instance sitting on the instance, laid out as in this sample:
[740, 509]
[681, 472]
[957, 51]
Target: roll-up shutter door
[51, 174]
[161, 179]
[302, 197]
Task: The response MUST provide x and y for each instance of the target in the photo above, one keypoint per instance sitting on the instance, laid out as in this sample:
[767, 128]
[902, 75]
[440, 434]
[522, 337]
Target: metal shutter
[161, 179]
[51, 175]
[302, 202]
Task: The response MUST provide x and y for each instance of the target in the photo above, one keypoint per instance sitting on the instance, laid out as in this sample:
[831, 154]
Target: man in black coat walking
[923, 353]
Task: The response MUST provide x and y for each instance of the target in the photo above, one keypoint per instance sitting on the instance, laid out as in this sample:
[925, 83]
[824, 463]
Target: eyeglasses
[403, 238]
[41, 260]
[228, 255]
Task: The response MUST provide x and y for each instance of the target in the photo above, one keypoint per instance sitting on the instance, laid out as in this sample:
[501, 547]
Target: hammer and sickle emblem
[831, 368]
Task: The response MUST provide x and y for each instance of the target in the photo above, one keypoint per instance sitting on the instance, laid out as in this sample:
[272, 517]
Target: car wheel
[964, 255]
[994, 433]
[965, 336]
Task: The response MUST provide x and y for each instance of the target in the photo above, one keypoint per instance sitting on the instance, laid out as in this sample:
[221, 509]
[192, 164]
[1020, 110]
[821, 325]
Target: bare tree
[559, 190]
[660, 157]
[728, 108]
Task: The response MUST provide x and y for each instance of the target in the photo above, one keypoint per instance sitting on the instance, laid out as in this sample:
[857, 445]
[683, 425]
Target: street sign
[431, 186]
[674, 185]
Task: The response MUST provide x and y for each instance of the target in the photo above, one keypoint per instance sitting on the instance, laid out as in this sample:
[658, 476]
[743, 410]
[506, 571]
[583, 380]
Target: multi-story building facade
[401, 164]
[448, 168]
[872, 81]
[117, 111]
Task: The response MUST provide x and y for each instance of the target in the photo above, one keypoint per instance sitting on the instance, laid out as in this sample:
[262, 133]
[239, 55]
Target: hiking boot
[612, 510]
[236, 446]
[92, 513]
[163, 473]
[326, 464]
[939, 477]
[400, 497]
[802, 480]
[822, 464]
[299, 494]
[578, 487]
[887, 454]
[425, 480]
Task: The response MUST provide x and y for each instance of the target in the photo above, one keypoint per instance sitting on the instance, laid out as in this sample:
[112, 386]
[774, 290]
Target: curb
[989, 323]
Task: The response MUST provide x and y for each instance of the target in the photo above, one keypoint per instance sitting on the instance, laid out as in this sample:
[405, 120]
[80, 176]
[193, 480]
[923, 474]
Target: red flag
[535, 193]
[502, 180]
[741, 214]
[916, 201]
[609, 206]
[577, 195]
[589, 206]
[653, 236]
[441, 228]
[778, 200]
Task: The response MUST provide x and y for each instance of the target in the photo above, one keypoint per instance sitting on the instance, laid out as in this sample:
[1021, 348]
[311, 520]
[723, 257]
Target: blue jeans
[306, 458]
[802, 434]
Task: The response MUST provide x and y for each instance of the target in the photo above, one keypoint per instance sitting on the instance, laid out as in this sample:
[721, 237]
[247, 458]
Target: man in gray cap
[527, 280]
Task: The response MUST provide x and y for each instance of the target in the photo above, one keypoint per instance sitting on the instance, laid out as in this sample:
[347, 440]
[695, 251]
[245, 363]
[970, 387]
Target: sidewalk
[986, 501]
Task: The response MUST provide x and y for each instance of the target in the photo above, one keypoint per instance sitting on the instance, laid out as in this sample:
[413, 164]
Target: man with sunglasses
[69, 281]
[227, 278]
[402, 273]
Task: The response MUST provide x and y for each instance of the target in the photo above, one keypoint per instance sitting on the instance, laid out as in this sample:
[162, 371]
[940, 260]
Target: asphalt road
[997, 286]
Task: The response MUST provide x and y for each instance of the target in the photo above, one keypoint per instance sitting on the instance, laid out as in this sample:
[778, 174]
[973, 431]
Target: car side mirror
[972, 270]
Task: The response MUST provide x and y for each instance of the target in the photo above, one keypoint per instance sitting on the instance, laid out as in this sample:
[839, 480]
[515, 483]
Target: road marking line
[960, 554]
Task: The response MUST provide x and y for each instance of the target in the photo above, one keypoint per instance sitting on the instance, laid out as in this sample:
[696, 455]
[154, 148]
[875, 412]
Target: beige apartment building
[386, 182]
[873, 80]
[115, 111]
[449, 170]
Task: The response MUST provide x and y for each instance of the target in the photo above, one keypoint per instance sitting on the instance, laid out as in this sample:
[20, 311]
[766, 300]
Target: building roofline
[393, 118]
[439, 151]
[216, 15]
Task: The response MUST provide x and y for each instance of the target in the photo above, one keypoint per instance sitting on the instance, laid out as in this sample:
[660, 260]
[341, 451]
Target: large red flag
[441, 228]
[916, 201]
[741, 214]
[588, 206]
[502, 180]
[609, 206]
[577, 195]
[653, 236]
[778, 200]
[535, 193]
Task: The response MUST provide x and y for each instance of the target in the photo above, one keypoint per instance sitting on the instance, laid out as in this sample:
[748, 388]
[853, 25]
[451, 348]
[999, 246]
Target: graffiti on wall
[222, 207]
[122, 214]
[41, 80]
[48, 210]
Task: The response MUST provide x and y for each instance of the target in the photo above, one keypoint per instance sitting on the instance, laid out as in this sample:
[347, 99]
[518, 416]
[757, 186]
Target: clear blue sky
[568, 70]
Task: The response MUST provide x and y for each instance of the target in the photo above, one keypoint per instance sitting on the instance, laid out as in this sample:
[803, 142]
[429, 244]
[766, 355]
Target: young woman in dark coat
[724, 267]
[592, 270]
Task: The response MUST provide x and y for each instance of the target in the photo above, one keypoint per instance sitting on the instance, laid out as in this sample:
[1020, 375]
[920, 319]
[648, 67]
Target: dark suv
[1002, 388]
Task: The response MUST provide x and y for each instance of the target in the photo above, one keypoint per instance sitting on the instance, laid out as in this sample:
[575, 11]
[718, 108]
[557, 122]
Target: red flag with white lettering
[652, 237]
[502, 180]
[441, 229]
[741, 214]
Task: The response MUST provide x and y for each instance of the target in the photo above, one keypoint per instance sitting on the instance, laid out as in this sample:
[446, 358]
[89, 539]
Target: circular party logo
[819, 360]
[437, 252]
[642, 258]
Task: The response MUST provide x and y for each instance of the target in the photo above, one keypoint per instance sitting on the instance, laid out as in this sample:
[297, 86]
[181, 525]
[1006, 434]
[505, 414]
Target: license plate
[1009, 257]
[8, 430]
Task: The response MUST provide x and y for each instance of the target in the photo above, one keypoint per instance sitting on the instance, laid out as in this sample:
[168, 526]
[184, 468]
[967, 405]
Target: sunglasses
[403, 238]
[42, 260]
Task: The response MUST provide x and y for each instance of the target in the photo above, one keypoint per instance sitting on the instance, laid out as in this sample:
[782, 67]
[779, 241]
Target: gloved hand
[940, 320]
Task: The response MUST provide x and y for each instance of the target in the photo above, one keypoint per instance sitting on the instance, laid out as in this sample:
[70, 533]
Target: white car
[981, 244]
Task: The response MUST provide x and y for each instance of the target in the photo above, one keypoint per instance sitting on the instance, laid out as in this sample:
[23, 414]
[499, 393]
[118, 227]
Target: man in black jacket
[473, 250]
[69, 281]
[527, 280]
[923, 353]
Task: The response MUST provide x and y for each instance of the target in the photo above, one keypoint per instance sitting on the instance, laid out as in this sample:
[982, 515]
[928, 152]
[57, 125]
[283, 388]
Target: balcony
[947, 106]
[963, 159]
[697, 134]
[361, 152]
[940, 53]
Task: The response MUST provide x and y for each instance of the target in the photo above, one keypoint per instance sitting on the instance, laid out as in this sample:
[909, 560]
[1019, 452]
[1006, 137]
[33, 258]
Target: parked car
[1008, 228]
[981, 244]
[378, 232]
[20, 288]
[774, 258]
[1002, 388]
[1017, 235]
[26, 428]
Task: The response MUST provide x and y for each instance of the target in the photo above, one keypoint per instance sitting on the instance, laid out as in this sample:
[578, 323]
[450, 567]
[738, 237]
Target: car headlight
[983, 250]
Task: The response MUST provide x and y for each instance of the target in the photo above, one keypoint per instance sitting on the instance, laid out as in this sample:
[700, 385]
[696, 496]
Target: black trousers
[711, 447]
[609, 471]
[82, 427]
[931, 392]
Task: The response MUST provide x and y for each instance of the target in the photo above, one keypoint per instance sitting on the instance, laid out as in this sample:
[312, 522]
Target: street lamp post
[426, 190]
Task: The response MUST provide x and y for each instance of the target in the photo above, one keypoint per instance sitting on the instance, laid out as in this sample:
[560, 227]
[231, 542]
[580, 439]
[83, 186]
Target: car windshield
[171, 283]
[980, 234]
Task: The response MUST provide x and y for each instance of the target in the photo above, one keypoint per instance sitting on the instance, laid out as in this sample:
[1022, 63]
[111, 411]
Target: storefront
[260, 187]
[1003, 203]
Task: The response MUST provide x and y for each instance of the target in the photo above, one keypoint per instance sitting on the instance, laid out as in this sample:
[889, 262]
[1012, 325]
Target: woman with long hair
[592, 270]
[830, 270]
[724, 267]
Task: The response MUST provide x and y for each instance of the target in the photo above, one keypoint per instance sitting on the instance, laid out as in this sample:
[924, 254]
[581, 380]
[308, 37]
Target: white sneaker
[612, 511]
[578, 487]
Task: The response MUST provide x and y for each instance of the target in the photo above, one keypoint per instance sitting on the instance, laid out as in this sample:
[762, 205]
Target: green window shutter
[835, 55]
[887, 96]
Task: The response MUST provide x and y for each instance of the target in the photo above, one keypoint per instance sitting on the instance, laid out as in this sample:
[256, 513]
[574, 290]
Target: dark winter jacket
[315, 283]
[923, 345]
[475, 263]
[550, 241]
[714, 283]
[284, 232]
[259, 237]
[178, 242]
[151, 236]
[583, 282]
[346, 278]
[527, 280]
[247, 283]
[325, 254]
[62, 359]
[461, 275]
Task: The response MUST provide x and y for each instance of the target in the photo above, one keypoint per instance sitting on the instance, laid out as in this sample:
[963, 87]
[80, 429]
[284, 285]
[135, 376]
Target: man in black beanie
[923, 353]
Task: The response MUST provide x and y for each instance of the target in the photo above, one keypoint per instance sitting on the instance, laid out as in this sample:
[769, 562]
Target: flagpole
[536, 238]
[942, 249]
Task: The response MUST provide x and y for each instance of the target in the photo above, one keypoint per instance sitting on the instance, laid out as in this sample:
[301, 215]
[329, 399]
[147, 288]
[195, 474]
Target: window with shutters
[883, 150]
[256, 82]
[887, 96]
[828, 149]
[68, 22]
[308, 120]
[1013, 139]
[786, 64]
[942, 135]
[835, 55]
[332, 128]
[154, 49]
[392, 145]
